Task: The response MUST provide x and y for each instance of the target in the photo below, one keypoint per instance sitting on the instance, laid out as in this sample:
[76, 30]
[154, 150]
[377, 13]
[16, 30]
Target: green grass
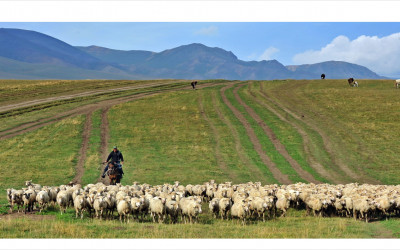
[267, 145]
[295, 225]
[165, 138]
[286, 134]
[362, 122]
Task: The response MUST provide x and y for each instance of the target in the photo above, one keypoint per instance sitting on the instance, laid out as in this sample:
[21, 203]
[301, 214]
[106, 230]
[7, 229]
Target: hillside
[29, 54]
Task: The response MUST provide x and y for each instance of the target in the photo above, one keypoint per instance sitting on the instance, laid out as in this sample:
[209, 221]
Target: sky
[375, 45]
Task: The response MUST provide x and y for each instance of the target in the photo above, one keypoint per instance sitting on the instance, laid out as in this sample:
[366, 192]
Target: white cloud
[208, 31]
[381, 55]
[267, 54]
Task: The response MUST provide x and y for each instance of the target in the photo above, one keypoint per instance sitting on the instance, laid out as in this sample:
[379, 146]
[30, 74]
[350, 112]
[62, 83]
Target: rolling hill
[32, 55]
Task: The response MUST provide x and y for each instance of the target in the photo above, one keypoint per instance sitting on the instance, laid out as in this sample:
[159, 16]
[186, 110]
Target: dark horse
[113, 173]
[193, 84]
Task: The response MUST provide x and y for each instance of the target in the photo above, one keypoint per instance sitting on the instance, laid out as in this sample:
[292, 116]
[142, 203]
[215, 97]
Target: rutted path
[105, 135]
[278, 175]
[326, 141]
[221, 163]
[82, 94]
[85, 145]
[238, 145]
[273, 138]
[318, 167]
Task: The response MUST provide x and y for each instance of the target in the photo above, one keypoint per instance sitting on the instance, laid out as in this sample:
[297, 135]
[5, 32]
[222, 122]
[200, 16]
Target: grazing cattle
[397, 83]
[352, 82]
[193, 84]
[323, 76]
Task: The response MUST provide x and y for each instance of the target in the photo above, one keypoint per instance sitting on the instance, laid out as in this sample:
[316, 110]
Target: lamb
[42, 199]
[9, 194]
[80, 204]
[190, 209]
[240, 210]
[62, 200]
[157, 209]
[214, 207]
[29, 199]
[225, 205]
[282, 204]
[124, 209]
[99, 205]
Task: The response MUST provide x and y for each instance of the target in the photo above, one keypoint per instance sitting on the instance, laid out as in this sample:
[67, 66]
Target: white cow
[397, 83]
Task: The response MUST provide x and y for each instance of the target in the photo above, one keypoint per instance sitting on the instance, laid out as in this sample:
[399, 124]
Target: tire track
[238, 145]
[85, 145]
[221, 163]
[325, 139]
[278, 175]
[274, 139]
[318, 167]
[105, 136]
[24, 128]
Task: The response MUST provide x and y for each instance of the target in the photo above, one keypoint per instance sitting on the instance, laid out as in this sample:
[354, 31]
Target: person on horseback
[116, 158]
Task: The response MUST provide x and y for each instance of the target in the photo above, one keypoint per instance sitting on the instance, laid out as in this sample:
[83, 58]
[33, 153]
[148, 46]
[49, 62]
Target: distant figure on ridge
[194, 84]
[323, 76]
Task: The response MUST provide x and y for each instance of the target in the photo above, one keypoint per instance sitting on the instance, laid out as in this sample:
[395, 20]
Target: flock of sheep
[171, 202]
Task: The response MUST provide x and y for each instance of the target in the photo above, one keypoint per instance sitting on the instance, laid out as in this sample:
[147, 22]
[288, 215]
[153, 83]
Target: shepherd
[193, 84]
[323, 76]
[117, 159]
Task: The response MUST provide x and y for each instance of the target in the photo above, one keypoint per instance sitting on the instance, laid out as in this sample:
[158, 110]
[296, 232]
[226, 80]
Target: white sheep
[190, 209]
[80, 204]
[42, 199]
[240, 210]
[157, 209]
[29, 199]
[214, 207]
[99, 206]
[16, 199]
[172, 210]
[135, 207]
[225, 205]
[397, 83]
[282, 204]
[124, 209]
[62, 200]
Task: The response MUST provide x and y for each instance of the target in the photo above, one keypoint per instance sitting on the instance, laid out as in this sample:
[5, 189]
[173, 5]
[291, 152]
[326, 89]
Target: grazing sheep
[240, 210]
[225, 205]
[42, 199]
[385, 205]
[62, 200]
[124, 209]
[157, 209]
[315, 204]
[80, 204]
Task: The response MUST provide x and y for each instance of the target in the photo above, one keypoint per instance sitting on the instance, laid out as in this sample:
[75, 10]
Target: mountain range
[28, 54]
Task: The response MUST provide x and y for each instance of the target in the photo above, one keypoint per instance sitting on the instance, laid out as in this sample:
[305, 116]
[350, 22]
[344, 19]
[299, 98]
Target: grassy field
[193, 136]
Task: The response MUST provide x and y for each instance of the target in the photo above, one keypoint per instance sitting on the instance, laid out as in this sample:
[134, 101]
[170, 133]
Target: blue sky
[374, 45]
